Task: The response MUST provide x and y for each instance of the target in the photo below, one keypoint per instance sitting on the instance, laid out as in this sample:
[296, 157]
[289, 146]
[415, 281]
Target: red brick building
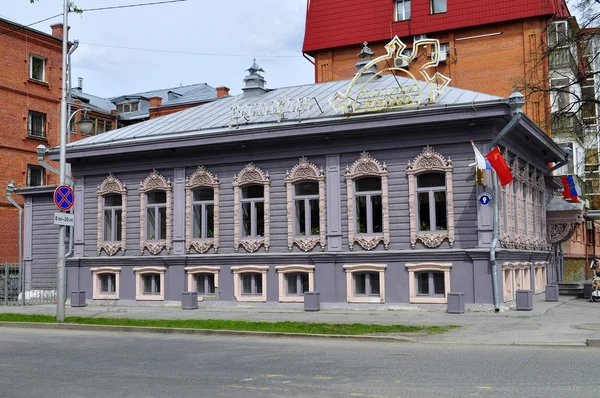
[30, 91]
[490, 46]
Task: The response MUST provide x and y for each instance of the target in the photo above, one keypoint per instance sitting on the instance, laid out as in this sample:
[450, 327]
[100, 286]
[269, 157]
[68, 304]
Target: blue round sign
[484, 198]
[64, 197]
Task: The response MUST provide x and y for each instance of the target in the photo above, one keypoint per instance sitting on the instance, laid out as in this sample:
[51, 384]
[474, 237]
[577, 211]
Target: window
[37, 124]
[367, 190]
[106, 283]
[204, 280]
[150, 283]
[561, 96]
[438, 6]
[37, 68]
[431, 199]
[402, 10]
[365, 283]
[250, 283]
[432, 208]
[202, 211]
[99, 126]
[305, 186]
[112, 215]
[294, 281]
[588, 96]
[36, 176]
[557, 33]
[251, 222]
[128, 107]
[428, 282]
[156, 213]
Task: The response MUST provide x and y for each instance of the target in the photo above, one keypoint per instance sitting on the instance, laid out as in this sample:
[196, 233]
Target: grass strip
[216, 324]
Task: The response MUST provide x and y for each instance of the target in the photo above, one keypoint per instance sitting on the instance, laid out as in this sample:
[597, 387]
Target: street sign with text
[67, 219]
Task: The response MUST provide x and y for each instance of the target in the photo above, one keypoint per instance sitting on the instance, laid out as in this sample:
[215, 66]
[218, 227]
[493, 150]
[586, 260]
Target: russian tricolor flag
[569, 189]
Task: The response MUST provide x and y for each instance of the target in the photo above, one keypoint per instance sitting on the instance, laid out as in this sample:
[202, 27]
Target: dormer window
[128, 107]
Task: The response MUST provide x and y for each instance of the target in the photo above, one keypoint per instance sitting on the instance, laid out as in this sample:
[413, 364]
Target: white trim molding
[237, 284]
[540, 274]
[282, 270]
[139, 292]
[367, 166]
[305, 171]
[155, 182]
[96, 272]
[111, 185]
[251, 175]
[204, 269]
[428, 267]
[201, 178]
[350, 269]
[430, 161]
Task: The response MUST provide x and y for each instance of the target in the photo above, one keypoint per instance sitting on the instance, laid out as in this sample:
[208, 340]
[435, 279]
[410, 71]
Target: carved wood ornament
[367, 166]
[111, 185]
[201, 178]
[155, 182]
[427, 162]
[251, 175]
[305, 171]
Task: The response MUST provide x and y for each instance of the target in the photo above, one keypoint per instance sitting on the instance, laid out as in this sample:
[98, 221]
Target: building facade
[363, 190]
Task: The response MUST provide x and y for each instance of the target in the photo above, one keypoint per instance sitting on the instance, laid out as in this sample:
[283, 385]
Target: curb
[593, 342]
[206, 332]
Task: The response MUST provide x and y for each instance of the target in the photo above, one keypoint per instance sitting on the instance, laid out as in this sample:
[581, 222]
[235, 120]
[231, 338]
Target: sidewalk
[569, 322]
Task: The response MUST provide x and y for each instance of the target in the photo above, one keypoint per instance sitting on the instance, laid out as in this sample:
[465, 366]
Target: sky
[129, 50]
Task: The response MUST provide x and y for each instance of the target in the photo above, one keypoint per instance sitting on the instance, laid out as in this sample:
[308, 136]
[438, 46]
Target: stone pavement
[568, 322]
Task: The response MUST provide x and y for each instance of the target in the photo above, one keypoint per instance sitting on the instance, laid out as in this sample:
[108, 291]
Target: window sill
[258, 299]
[291, 299]
[376, 300]
[106, 297]
[36, 138]
[145, 297]
[428, 300]
[39, 82]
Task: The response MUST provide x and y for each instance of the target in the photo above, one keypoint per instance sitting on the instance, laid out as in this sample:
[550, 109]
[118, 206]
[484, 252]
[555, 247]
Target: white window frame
[238, 271]
[367, 166]
[96, 273]
[30, 116]
[434, 11]
[401, 10]
[428, 267]
[204, 269]
[305, 171]
[251, 175]
[201, 178]
[430, 161]
[37, 57]
[283, 271]
[111, 186]
[155, 182]
[351, 269]
[431, 191]
[139, 284]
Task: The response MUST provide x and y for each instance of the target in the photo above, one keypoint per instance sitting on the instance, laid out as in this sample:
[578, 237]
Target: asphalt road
[43, 363]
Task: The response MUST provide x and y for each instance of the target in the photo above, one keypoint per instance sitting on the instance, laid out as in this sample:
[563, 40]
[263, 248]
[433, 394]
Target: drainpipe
[10, 188]
[516, 102]
[69, 100]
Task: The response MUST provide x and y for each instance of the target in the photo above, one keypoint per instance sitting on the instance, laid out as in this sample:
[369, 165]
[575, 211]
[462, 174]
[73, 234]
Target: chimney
[155, 101]
[365, 56]
[222, 92]
[255, 83]
[57, 30]
[80, 83]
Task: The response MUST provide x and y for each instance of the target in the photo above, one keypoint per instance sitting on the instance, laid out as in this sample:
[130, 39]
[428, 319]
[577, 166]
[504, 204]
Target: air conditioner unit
[400, 63]
[444, 49]
[419, 37]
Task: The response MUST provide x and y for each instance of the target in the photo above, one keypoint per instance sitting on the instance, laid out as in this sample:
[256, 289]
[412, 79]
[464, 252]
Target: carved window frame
[359, 268]
[428, 267]
[251, 175]
[305, 171]
[430, 161]
[367, 166]
[111, 186]
[204, 269]
[155, 182]
[237, 282]
[96, 273]
[139, 284]
[201, 178]
[282, 270]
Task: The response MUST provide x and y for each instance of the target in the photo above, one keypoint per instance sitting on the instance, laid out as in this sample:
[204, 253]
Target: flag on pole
[482, 163]
[499, 165]
[569, 189]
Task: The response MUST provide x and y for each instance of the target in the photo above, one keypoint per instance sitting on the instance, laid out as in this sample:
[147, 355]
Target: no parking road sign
[64, 197]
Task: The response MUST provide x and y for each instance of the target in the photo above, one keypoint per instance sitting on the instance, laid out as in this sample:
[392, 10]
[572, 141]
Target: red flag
[499, 165]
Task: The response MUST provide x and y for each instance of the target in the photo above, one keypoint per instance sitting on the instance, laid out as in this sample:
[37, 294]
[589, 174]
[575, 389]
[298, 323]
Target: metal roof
[199, 92]
[103, 104]
[217, 116]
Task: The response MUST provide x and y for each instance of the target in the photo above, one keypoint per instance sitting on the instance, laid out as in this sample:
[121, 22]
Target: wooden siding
[44, 232]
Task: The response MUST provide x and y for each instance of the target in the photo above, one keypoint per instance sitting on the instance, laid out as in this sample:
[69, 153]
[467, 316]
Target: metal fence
[34, 283]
